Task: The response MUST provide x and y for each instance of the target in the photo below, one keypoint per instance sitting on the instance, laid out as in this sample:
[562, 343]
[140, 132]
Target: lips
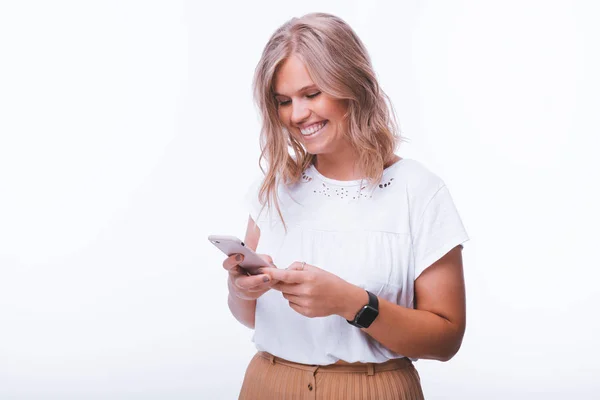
[313, 129]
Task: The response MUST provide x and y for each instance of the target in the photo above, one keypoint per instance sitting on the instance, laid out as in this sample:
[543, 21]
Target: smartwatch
[367, 314]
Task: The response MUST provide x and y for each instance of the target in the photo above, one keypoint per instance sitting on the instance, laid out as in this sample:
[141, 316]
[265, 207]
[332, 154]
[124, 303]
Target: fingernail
[266, 278]
[238, 257]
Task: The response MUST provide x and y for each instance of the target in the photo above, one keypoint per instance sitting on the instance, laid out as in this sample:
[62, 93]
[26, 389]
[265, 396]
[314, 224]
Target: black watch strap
[367, 314]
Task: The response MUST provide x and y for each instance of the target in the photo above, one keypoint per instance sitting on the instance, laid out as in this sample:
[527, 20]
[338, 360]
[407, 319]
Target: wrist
[233, 298]
[234, 293]
[355, 299]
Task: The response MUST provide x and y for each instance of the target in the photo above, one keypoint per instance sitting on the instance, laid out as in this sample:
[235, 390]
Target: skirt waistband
[368, 368]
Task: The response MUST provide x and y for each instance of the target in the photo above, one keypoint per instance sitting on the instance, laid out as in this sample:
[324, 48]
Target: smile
[313, 129]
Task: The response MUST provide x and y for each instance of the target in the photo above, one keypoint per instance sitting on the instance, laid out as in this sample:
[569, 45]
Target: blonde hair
[340, 66]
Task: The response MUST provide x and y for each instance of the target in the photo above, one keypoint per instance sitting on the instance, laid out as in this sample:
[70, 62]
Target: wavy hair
[338, 63]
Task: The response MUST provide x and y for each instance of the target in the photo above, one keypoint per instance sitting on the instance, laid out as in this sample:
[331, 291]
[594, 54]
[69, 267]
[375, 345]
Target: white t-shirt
[379, 239]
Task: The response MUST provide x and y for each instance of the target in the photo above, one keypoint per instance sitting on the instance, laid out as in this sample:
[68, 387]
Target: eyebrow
[301, 90]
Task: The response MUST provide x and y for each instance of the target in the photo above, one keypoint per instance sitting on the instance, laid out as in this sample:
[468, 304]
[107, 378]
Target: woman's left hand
[314, 292]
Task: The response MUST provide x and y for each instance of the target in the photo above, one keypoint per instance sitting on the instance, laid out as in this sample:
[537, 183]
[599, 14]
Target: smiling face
[312, 117]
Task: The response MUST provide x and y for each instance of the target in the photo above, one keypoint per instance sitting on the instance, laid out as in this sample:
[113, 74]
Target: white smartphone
[232, 245]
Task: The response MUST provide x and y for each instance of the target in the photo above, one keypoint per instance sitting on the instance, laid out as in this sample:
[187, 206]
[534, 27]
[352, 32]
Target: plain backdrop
[128, 135]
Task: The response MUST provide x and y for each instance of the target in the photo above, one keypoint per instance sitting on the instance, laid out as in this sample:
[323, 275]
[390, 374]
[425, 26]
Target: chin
[317, 148]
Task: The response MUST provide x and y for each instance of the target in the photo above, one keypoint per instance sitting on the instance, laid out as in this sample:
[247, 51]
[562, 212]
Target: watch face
[367, 316]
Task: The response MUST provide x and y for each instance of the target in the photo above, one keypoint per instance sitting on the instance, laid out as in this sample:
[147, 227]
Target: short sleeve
[438, 231]
[251, 200]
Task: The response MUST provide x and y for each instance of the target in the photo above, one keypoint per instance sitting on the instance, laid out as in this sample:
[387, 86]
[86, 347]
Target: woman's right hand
[244, 286]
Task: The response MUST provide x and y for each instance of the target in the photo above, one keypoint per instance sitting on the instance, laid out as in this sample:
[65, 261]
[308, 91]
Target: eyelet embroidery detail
[361, 194]
[324, 191]
[384, 185]
[342, 192]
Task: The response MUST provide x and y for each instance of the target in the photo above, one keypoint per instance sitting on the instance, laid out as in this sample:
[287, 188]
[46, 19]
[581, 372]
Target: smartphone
[232, 245]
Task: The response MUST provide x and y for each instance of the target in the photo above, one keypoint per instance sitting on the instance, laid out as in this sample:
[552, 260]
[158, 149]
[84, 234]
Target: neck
[342, 166]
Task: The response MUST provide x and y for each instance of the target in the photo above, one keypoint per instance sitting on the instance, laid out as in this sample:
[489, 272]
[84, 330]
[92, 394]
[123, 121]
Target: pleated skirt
[273, 378]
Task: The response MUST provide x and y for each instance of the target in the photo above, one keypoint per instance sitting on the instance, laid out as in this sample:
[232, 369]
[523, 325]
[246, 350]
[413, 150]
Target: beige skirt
[273, 378]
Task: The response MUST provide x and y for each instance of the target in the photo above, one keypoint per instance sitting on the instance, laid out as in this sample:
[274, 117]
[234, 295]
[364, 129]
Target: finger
[232, 261]
[250, 282]
[265, 284]
[288, 276]
[292, 298]
[260, 288]
[238, 271]
[288, 288]
[299, 266]
[253, 281]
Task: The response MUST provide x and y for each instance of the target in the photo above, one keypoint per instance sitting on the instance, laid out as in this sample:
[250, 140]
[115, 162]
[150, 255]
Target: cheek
[333, 109]
[337, 114]
[341, 108]
[284, 116]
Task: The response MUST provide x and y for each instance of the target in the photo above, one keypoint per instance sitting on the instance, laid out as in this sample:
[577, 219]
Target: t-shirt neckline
[355, 182]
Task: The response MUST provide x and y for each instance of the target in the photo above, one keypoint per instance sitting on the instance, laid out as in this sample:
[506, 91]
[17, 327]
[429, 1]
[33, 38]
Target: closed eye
[286, 102]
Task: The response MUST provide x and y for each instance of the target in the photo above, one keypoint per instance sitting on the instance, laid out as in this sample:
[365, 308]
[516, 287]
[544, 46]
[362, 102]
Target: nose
[300, 112]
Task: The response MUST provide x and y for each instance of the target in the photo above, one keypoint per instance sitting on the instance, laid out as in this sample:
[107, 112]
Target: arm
[244, 310]
[435, 328]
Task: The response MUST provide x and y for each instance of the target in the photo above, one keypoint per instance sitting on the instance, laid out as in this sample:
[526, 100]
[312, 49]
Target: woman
[367, 244]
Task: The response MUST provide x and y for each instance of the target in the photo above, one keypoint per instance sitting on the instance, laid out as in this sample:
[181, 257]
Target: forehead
[291, 76]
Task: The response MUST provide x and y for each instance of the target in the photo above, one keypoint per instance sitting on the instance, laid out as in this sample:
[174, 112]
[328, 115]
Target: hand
[314, 292]
[243, 285]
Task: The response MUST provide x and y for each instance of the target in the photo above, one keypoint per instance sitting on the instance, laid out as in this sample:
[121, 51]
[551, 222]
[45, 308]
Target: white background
[128, 135]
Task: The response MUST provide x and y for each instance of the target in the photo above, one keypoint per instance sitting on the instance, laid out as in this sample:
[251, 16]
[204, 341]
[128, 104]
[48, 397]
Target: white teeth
[312, 129]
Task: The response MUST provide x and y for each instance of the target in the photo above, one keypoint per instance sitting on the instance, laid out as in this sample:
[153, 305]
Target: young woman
[365, 246]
